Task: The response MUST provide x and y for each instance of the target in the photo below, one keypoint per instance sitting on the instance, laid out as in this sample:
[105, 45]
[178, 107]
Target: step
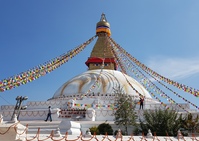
[45, 127]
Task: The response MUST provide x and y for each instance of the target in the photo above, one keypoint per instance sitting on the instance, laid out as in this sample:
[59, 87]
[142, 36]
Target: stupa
[90, 96]
[93, 90]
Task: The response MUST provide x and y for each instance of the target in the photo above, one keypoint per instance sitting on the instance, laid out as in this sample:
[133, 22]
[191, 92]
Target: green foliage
[95, 130]
[161, 122]
[124, 114]
[105, 128]
[136, 130]
[102, 129]
[191, 124]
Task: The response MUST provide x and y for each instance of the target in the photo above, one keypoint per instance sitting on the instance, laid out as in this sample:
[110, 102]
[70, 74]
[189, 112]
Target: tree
[124, 113]
[161, 122]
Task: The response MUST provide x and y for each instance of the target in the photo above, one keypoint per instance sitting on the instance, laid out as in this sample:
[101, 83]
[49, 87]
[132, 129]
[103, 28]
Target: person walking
[49, 114]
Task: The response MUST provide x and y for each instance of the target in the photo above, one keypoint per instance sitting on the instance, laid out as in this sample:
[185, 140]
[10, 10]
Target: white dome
[109, 80]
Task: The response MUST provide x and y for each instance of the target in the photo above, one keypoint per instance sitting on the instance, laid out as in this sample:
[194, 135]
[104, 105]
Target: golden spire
[103, 26]
[101, 53]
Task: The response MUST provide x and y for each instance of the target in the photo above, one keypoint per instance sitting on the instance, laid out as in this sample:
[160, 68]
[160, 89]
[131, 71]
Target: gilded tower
[101, 55]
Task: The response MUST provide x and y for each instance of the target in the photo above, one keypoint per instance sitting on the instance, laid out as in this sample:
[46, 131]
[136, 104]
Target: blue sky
[162, 34]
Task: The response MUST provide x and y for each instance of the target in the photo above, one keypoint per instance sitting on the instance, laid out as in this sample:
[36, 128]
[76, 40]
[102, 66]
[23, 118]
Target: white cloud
[174, 68]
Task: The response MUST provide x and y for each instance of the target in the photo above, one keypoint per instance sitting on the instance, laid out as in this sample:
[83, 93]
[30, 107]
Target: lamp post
[18, 106]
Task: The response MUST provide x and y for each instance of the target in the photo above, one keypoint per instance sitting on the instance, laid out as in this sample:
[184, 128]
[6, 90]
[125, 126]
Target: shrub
[161, 122]
[95, 130]
[105, 128]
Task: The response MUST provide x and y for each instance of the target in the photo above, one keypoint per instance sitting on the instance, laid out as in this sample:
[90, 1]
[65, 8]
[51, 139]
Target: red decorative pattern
[100, 60]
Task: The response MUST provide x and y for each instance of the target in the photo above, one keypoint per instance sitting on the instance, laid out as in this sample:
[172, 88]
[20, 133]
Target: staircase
[45, 127]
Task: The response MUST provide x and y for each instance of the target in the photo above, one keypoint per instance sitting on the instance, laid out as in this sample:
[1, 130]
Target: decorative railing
[57, 136]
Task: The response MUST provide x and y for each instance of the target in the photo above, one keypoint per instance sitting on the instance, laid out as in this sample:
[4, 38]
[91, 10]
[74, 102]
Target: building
[90, 96]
